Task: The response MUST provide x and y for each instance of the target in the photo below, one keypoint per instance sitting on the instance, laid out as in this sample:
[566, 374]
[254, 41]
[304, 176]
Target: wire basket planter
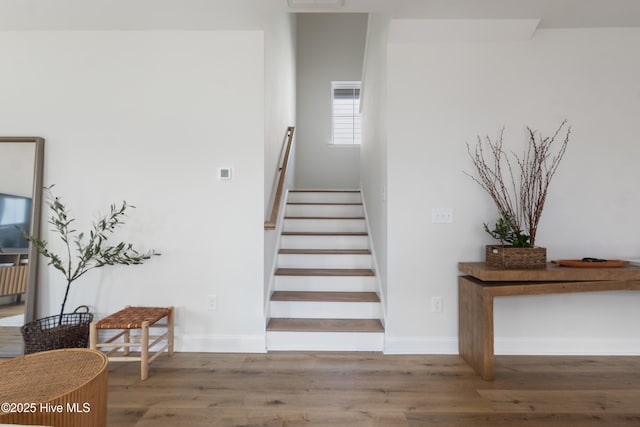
[68, 330]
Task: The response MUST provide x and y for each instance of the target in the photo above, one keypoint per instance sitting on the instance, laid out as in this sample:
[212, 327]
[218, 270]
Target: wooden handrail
[270, 224]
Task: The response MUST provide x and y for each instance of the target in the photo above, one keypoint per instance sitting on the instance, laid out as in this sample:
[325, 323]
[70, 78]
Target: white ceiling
[552, 13]
[238, 14]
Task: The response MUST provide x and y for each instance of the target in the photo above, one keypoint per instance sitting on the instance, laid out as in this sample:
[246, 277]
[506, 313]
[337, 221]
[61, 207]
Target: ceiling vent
[315, 4]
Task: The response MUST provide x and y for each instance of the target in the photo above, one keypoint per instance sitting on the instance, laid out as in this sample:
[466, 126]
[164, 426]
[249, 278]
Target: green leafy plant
[83, 252]
[506, 230]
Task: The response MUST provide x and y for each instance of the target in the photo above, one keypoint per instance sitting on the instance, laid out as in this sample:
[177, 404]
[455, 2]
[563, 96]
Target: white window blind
[345, 119]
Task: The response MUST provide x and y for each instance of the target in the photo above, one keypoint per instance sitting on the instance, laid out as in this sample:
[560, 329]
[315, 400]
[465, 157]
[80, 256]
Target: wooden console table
[481, 284]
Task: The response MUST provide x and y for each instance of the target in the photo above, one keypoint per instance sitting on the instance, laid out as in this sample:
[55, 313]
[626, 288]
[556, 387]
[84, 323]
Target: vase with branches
[85, 252]
[518, 184]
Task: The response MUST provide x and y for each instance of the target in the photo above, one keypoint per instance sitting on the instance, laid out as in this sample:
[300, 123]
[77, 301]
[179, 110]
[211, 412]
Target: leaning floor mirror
[21, 164]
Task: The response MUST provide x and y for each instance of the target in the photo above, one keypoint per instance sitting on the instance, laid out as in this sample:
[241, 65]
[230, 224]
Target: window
[345, 114]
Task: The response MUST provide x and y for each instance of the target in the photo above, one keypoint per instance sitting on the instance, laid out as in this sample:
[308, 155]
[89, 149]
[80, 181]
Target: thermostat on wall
[224, 173]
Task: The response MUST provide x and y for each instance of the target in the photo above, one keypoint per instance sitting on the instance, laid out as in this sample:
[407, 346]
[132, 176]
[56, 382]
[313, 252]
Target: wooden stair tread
[325, 296]
[325, 217]
[323, 191]
[326, 203]
[324, 272]
[325, 251]
[325, 325]
[324, 233]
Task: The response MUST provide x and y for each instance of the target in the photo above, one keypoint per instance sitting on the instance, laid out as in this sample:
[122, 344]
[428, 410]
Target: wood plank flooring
[8, 310]
[10, 336]
[371, 389]
[10, 341]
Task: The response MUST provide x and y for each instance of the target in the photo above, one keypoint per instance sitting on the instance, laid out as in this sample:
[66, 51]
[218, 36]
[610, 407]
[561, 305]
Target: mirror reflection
[19, 170]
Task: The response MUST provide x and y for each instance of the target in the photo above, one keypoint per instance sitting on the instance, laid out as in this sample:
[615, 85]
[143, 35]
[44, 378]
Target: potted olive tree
[81, 254]
[518, 185]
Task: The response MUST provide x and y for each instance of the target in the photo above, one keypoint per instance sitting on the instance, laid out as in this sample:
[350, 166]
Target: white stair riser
[324, 261]
[324, 210]
[324, 242]
[325, 341]
[325, 310]
[320, 197]
[329, 225]
[325, 283]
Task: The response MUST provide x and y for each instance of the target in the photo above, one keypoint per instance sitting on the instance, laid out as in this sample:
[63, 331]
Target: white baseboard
[201, 343]
[417, 345]
[519, 346]
[420, 345]
[220, 343]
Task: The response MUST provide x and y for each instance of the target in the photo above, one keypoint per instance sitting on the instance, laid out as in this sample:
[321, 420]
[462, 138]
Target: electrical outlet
[212, 302]
[436, 304]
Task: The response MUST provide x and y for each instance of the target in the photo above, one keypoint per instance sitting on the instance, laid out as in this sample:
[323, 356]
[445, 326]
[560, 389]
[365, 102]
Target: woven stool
[135, 318]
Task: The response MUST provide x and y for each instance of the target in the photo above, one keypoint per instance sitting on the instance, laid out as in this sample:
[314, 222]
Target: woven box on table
[511, 257]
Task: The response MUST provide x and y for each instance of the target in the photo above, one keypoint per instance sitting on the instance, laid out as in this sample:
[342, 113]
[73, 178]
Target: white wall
[373, 165]
[280, 95]
[440, 96]
[279, 108]
[330, 47]
[148, 117]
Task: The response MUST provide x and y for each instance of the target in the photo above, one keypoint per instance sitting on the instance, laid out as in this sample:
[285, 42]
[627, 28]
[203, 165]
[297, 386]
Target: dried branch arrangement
[517, 184]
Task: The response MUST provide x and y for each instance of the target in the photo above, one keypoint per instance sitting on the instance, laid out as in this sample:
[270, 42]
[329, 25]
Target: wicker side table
[65, 387]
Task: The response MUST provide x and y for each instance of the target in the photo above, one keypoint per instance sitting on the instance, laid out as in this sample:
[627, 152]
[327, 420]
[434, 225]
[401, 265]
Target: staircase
[325, 289]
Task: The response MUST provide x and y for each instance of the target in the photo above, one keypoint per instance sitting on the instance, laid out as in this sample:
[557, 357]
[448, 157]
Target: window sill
[343, 146]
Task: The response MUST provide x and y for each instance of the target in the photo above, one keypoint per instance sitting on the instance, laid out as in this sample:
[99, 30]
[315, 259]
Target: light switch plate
[442, 216]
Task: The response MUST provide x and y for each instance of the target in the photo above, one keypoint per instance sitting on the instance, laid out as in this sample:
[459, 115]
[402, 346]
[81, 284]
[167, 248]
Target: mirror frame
[36, 210]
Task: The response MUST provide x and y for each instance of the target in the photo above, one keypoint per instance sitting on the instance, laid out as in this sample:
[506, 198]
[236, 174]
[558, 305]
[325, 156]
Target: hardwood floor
[371, 389]
[8, 310]
[10, 336]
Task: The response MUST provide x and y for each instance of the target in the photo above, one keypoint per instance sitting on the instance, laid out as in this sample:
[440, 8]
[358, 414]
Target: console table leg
[475, 326]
